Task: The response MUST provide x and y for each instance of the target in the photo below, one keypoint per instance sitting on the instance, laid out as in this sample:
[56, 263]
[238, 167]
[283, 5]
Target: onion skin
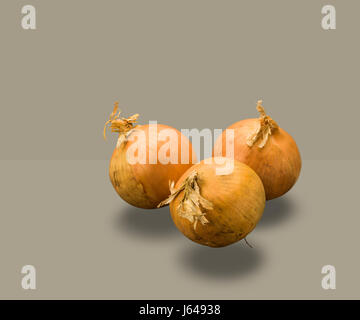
[145, 185]
[278, 163]
[238, 201]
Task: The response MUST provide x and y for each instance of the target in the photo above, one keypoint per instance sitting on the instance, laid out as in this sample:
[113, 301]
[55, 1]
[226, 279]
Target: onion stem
[190, 206]
[265, 128]
[120, 125]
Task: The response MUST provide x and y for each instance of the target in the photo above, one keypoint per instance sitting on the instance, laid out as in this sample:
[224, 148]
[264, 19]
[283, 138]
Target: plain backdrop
[188, 64]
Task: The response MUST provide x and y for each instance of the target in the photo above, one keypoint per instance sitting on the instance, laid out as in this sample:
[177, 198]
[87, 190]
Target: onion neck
[121, 125]
[192, 204]
[266, 127]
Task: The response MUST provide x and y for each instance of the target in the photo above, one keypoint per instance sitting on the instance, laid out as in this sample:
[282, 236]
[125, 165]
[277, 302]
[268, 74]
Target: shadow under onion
[234, 261]
[145, 223]
[277, 211]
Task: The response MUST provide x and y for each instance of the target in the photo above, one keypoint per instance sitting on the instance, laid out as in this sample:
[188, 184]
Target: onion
[146, 183]
[266, 148]
[216, 209]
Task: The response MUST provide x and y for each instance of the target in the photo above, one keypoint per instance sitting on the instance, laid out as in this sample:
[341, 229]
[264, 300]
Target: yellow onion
[146, 184]
[266, 148]
[216, 209]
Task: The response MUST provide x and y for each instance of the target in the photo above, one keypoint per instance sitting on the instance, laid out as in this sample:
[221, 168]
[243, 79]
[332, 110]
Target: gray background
[188, 64]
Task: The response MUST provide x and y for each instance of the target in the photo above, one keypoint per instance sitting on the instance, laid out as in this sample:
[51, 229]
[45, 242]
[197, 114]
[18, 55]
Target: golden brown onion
[144, 184]
[214, 209]
[266, 148]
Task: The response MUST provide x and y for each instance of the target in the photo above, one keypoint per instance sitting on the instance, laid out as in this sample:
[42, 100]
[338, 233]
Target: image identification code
[168, 311]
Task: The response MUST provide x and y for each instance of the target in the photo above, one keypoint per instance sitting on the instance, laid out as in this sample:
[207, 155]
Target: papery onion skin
[278, 163]
[238, 202]
[145, 185]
